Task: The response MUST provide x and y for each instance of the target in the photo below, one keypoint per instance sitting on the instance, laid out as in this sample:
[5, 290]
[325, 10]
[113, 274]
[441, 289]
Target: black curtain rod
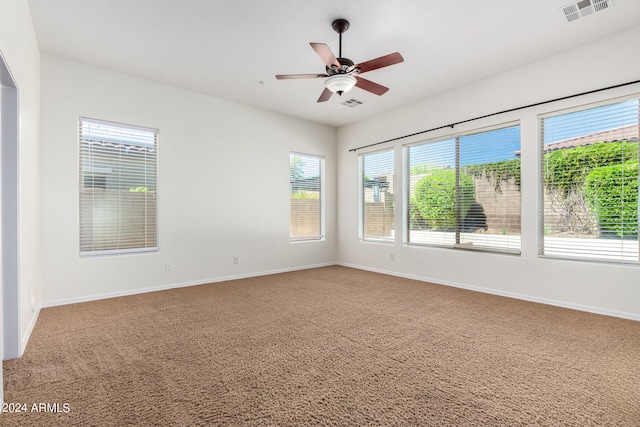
[495, 114]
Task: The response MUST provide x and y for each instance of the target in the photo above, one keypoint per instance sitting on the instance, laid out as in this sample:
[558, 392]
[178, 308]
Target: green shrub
[140, 190]
[435, 198]
[567, 169]
[497, 172]
[306, 195]
[416, 221]
[612, 193]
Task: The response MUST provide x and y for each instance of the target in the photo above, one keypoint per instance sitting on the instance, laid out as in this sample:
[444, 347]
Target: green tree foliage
[567, 169]
[141, 190]
[416, 221]
[612, 193]
[435, 198]
[305, 195]
[295, 168]
[497, 172]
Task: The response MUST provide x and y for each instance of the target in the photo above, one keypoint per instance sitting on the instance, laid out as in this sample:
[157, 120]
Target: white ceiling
[232, 49]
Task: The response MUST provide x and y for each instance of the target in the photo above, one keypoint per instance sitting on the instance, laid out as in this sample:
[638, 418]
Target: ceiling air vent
[352, 103]
[582, 8]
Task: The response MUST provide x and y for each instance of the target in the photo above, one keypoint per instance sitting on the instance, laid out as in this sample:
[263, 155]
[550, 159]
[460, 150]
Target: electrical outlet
[392, 257]
[168, 266]
[236, 260]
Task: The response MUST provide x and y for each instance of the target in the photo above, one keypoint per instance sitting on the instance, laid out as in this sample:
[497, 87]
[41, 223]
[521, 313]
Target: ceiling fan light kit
[340, 83]
[342, 74]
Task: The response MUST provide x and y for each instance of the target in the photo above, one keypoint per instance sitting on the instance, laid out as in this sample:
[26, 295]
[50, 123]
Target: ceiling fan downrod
[340, 25]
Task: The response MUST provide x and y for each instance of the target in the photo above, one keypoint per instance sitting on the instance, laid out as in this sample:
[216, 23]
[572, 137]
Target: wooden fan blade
[325, 54]
[370, 86]
[325, 95]
[383, 61]
[300, 76]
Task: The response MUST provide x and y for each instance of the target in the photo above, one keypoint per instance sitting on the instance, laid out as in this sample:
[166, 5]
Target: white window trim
[323, 197]
[361, 202]
[541, 192]
[406, 183]
[127, 251]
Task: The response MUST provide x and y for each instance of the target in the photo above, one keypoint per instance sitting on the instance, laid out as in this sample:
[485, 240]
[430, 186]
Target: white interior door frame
[9, 272]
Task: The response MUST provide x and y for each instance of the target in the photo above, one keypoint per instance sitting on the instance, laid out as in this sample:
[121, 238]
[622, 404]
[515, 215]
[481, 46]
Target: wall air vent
[352, 103]
[582, 8]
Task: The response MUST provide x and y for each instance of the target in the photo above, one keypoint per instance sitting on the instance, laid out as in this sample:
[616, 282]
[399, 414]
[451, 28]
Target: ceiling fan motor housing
[347, 67]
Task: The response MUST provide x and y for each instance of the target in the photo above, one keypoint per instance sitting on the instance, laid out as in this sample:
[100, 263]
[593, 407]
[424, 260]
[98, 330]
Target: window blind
[431, 196]
[590, 182]
[306, 182]
[464, 191]
[118, 194]
[377, 195]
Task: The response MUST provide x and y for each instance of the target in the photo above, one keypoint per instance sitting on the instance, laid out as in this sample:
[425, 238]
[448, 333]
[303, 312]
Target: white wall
[222, 178]
[600, 287]
[20, 51]
[224, 193]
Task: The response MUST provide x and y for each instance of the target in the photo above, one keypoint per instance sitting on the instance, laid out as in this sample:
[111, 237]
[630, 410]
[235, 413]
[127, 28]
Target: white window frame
[361, 197]
[513, 247]
[322, 197]
[581, 251]
[143, 138]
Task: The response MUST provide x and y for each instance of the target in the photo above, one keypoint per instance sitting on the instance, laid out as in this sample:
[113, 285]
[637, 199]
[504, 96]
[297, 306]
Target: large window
[590, 182]
[464, 191]
[117, 188]
[377, 196]
[306, 183]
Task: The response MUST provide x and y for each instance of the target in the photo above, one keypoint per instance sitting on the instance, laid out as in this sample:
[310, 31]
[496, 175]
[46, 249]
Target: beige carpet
[328, 346]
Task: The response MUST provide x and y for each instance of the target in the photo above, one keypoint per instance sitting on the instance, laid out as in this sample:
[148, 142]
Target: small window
[590, 182]
[306, 194]
[464, 191]
[118, 194]
[377, 196]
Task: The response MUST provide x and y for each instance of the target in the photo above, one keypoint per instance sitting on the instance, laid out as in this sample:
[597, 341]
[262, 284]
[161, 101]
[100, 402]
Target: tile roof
[622, 133]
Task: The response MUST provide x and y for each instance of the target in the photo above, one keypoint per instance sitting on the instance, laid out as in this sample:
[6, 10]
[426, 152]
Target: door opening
[10, 345]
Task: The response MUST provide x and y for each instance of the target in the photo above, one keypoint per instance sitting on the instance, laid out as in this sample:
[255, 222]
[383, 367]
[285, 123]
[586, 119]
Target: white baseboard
[27, 333]
[563, 304]
[96, 297]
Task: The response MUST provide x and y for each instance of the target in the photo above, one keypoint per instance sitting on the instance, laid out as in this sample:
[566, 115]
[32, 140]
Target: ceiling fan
[342, 74]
